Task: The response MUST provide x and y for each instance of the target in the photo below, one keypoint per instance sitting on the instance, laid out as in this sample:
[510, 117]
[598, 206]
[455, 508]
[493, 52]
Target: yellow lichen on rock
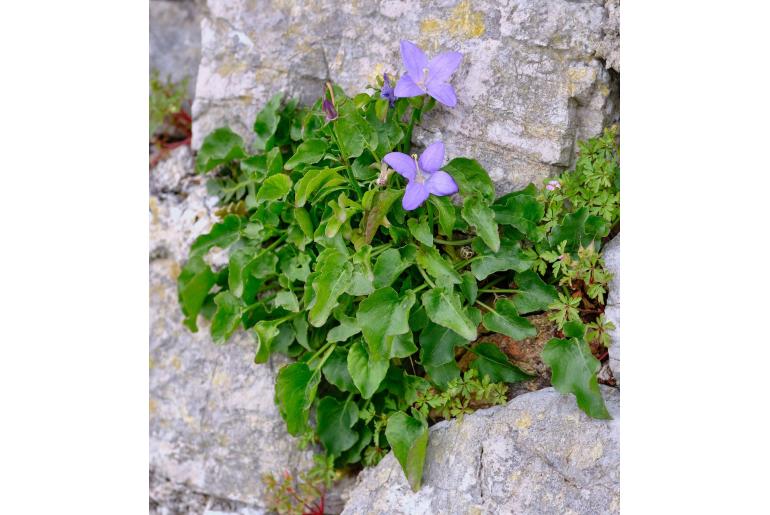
[463, 23]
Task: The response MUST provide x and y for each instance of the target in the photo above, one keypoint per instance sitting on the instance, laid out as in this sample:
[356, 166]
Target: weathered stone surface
[611, 255]
[530, 83]
[609, 47]
[537, 454]
[175, 39]
[213, 424]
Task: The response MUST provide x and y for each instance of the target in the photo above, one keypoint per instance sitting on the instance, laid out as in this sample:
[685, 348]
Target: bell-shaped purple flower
[423, 175]
[387, 91]
[328, 108]
[423, 76]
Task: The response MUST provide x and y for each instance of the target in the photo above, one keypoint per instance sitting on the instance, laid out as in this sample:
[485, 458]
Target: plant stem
[348, 170]
[276, 242]
[485, 306]
[326, 356]
[466, 262]
[425, 276]
[453, 242]
[416, 114]
[498, 290]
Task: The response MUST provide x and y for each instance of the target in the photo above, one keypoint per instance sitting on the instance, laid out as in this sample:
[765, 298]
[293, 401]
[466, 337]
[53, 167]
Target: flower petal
[414, 195]
[433, 157]
[441, 67]
[443, 92]
[401, 163]
[441, 183]
[414, 59]
[407, 88]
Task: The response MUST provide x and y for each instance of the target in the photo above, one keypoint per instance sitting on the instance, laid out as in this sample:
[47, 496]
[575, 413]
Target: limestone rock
[530, 83]
[537, 454]
[609, 48]
[611, 255]
[213, 424]
[175, 39]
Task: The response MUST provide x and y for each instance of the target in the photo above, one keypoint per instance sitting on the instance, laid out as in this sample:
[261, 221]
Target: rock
[167, 176]
[168, 498]
[213, 424]
[530, 83]
[537, 454]
[175, 39]
[611, 255]
[609, 47]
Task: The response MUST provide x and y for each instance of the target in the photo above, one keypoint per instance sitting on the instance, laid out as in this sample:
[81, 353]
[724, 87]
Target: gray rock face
[537, 454]
[611, 255]
[175, 39]
[609, 48]
[530, 83]
[213, 424]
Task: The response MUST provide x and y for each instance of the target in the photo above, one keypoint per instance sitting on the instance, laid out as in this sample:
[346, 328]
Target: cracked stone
[611, 255]
[530, 84]
[537, 454]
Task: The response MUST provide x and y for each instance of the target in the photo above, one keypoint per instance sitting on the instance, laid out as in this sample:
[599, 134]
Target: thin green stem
[416, 115]
[466, 262]
[489, 308]
[425, 276]
[498, 290]
[323, 348]
[453, 242]
[276, 242]
[348, 170]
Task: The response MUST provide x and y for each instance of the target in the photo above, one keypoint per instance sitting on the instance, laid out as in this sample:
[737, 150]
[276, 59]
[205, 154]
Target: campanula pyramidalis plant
[379, 302]
[427, 76]
[423, 175]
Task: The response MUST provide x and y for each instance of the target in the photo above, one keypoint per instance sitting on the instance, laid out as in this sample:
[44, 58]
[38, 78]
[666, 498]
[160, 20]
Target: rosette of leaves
[374, 303]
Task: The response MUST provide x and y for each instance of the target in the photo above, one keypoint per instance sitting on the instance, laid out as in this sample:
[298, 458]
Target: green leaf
[381, 108]
[333, 276]
[295, 389]
[350, 138]
[367, 371]
[579, 229]
[429, 259]
[219, 147]
[444, 308]
[363, 277]
[482, 218]
[347, 328]
[288, 300]
[274, 161]
[309, 152]
[382, 316]
[391, 263]
[471, 178]
[574, 370]
[335, 370]
[469, 287]
[312, 180]
[508, 322]
[420, 231]
[353, 455]
[509, 257]
[298, 268]
[376, 216]
[221, 235]
[274, 187]
[523, 212]
[409, 439]
[265, 332]
[534, 294]
[227, 317]
[267, 122]
[193, 285]
[446, 214]
[490, 361]
[334, 422]
[247, 262]
[402, 345]
[437, 353]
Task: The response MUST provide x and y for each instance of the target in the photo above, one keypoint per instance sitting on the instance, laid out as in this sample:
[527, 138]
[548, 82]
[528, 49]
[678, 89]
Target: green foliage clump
[166, 102]
[373, 302]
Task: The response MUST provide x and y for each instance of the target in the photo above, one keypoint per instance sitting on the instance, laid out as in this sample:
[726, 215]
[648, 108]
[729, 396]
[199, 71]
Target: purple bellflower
[387, 90]
[328, 108]
[422, 174]
[423, 76]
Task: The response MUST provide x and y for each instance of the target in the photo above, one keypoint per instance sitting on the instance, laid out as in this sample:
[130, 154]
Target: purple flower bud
[387, 92]
[328, 107]
[553, 185]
